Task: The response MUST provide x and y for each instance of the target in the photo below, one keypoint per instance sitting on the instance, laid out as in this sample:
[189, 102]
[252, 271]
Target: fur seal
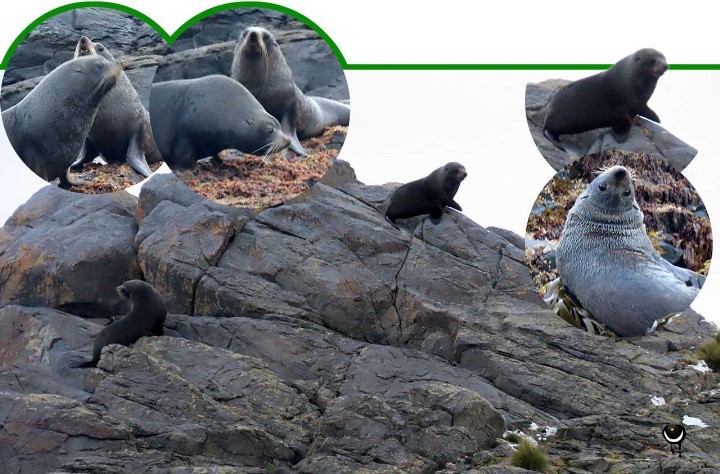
[259, 65]
[48, 127]
[428, 195]
[611, 98]
[195, 118]
[121, 130]
[608, 263]
[146, 317]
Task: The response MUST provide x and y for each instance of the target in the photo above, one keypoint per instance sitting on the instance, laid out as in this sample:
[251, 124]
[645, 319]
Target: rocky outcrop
[315, 337]
[645, 136]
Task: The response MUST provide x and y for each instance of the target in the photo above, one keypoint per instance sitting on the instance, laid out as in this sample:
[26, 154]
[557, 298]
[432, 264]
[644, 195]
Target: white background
[406, 123]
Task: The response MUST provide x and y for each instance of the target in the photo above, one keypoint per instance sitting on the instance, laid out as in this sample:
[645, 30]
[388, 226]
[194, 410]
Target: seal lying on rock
[196, 118]
[611, 98]
[608, 263]
[428, 195]
[260, 66]
[48, 127]
[146, 317]
[121, 130]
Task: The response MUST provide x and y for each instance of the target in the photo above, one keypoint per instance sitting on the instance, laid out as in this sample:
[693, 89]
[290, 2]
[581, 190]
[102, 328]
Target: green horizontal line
[508, 67]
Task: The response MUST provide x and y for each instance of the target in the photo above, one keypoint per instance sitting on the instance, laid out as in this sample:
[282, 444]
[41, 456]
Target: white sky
[404, 124]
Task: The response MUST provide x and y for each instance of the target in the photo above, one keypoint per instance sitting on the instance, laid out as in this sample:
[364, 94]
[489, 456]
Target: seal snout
[620, 174]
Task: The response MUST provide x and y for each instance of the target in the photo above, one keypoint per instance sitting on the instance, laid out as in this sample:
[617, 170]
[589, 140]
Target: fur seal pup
[48, 127]
[607, 262]
[195, 118]
[611, 98]
[428, 195]
[121, 130]
[260, 66]
[146, 317]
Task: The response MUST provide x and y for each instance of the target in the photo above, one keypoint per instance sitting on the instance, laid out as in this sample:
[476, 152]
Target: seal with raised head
[429, 195]
[196, 118]
[48, 127]
[606, 260]
[611, 98]
[260, 66]
[146, 317]
[121, 130]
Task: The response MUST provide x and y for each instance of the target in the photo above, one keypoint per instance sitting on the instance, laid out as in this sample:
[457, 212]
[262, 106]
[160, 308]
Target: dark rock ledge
[315, 337]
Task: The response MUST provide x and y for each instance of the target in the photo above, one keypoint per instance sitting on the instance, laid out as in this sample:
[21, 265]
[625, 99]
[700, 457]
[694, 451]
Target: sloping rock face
[315, 337]
[645, 136]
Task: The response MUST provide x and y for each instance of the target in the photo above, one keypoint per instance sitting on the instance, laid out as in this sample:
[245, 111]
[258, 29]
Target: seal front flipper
[649, 113]
[89, 363]
[135, 156]
[81, 156]
[392, 222]
[454, 205]
[436, 215]
[291, 131]
[554, 139]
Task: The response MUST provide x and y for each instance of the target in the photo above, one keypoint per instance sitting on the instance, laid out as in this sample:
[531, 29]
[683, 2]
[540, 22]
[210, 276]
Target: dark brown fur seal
[260, 66]
[197, 118]
[146, 317]
[48, 127]
[606, 260]
[121, 130]
[611, 98]
[429, 195]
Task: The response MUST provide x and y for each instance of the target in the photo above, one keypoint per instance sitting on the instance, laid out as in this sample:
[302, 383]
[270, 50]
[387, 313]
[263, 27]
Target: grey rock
[70, 251]
[315, 337]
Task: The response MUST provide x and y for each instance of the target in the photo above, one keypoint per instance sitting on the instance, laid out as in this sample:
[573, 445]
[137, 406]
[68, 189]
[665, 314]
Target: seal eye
[269, 130]
[603, 187]
[626, 193]
[266, 36]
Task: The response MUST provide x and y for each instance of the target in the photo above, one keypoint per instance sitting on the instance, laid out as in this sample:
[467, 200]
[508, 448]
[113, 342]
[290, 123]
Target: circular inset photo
[618, 243]
[250, 107]
[609, 110]
[75, 100]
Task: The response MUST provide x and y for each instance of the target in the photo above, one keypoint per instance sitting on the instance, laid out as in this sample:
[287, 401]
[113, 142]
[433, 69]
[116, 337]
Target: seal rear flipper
[554, 139]
[136, 158]
[291, 131]
[67, 180]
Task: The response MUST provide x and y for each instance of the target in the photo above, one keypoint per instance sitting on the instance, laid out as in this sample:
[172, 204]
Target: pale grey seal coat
[608, 263]
[260, 66]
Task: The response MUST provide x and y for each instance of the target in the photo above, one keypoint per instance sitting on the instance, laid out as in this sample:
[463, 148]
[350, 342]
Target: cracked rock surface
[645, 136]
[315, 337]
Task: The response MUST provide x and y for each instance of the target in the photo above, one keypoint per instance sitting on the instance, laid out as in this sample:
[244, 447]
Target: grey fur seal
[429, 195]
[121, 130]
[196, 118]
[146, 318]
[608, 263]
[259, 65]
[48, 127]
[611, 98]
